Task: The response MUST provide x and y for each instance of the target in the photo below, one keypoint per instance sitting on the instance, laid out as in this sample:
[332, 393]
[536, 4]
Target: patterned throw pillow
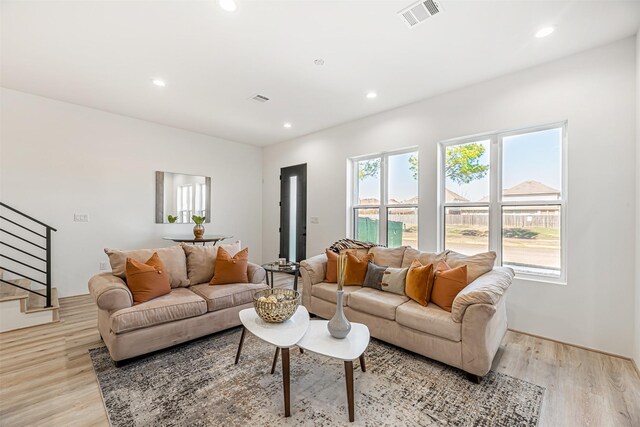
[373, 279]
[393, 280]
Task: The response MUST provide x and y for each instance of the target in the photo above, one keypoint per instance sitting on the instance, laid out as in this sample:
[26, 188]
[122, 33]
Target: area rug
[197, 384]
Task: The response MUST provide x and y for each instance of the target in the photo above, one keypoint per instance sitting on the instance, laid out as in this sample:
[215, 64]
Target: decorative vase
[198, 231]
[339, 327]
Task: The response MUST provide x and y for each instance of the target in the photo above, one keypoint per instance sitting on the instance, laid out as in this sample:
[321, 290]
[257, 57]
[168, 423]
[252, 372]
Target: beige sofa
[467, 338]
[192, 309]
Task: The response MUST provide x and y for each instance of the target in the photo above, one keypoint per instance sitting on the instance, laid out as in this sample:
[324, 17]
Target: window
[192, 199]
[185, 202]
[385, 198]
[506, 192]
[201, 199]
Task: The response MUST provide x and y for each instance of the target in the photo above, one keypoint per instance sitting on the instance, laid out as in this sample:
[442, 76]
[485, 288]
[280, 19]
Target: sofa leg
[118, 363]
[474, 378]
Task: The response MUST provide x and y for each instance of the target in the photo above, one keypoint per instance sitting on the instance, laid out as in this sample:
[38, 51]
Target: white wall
[592, 91]
[636, 354]
[57, 159]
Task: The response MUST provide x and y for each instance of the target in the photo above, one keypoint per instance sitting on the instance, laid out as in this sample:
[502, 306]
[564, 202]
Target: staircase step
[28, 311]
[37, 303]
[8, 292]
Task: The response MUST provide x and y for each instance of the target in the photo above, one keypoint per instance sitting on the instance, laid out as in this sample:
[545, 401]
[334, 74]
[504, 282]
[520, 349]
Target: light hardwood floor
[46, 377]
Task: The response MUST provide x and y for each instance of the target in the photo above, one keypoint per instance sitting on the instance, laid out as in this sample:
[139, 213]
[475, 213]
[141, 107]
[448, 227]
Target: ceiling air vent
[419, 12]
[259, 98]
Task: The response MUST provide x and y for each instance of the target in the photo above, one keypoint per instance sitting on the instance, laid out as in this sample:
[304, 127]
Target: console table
[204, 239]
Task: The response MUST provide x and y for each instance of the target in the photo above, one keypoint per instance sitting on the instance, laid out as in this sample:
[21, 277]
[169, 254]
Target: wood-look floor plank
[46, 377]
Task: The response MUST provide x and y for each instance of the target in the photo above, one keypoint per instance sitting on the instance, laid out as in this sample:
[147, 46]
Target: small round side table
[291, 268]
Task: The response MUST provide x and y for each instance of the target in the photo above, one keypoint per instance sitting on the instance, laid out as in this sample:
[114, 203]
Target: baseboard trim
[577, 346]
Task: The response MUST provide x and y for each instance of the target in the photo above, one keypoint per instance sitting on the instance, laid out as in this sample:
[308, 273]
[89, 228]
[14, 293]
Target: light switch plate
[315, 220]
[79, 217]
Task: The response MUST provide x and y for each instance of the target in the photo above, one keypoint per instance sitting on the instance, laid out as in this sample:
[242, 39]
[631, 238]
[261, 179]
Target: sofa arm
[486, 289]
[314, 269]
[110, 292]
[255, 273]
[483, 328]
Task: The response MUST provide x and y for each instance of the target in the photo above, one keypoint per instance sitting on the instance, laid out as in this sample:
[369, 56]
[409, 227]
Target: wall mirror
[180, 196]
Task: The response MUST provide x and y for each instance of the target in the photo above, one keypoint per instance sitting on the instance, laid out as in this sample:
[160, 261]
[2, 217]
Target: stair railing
[45, 258]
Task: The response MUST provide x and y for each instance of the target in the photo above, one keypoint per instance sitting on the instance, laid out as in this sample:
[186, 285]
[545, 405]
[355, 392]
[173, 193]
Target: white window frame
[384, 206]
[496, 204]
[185, 208]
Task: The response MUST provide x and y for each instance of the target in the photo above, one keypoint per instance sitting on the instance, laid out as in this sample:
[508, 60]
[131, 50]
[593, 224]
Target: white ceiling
[104, 54]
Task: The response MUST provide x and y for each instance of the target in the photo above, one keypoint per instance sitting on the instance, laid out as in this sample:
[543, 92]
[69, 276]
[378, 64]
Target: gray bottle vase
[339, 327]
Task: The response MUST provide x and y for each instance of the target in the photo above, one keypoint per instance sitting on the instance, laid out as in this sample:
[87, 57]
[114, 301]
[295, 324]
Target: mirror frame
[160, 197]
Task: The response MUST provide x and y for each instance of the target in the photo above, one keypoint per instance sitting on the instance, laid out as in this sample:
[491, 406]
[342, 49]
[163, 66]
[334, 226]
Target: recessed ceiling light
[228, 5]
[319, 61]
[287, 125]
[159, 82]
[372, 95]
[544, 32]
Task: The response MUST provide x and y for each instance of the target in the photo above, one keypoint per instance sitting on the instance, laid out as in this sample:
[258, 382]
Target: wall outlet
[81, 217]
[104, 265]
[315, 220]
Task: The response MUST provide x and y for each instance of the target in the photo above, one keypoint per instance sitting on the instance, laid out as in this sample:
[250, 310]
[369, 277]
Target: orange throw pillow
[419, 282]
[148, 280]
[231, 269]
[448, 284]
[332, 267]
[356, 269]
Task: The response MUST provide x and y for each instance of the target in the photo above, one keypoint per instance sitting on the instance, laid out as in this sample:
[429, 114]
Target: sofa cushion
[477, 264]
[373, 279]
[378, 303]
[332, 267]
[231, 269]
[394, 280]
[327, 292]
[448, 284]
[147, 280]
[419, 283]
[179, 304]
[172, 257]
[425, 258]
[356, 269]
[219, 297]
[388, 257]
[430, 319]
[201, 260]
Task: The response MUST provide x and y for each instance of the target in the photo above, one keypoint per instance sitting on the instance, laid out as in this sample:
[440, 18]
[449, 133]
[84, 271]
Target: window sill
[540, 279]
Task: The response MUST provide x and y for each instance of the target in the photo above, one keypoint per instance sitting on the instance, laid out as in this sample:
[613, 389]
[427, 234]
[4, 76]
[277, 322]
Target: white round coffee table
[282, 335]
[318, 340]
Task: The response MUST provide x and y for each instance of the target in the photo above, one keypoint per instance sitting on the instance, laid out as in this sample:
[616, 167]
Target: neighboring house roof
[411, 201]
[369, 201]
[454, 197]
[528, 188]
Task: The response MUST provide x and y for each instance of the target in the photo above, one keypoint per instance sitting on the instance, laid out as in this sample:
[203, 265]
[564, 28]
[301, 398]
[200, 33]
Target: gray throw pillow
[393, 280]
[373, 279]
